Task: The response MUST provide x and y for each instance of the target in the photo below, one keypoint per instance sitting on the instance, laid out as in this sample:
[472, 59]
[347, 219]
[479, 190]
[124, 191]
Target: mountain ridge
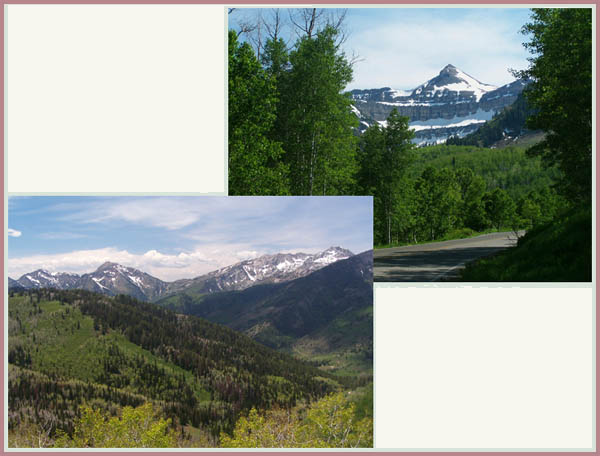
[327, 312]
[452, 103]
[112, 278]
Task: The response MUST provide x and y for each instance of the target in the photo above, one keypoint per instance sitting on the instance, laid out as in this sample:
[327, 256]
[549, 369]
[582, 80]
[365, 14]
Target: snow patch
[98, 283]
[136, 280]
[478, 117]
[395, 93]
[252, 278]
[33, 279]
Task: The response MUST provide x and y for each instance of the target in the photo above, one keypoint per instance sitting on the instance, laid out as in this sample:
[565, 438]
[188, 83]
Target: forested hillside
[73, 348]
[508, 123]
[455, 191]
[326, 317]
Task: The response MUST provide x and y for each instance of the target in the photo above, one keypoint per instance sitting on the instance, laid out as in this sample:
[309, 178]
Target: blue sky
[403, 47]
[177, 237]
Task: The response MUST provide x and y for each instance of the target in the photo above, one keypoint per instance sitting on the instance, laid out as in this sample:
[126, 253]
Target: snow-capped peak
[112, 278]
[452, 80]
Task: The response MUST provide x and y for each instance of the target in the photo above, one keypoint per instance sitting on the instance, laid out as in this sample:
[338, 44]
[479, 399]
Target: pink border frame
[330, 2]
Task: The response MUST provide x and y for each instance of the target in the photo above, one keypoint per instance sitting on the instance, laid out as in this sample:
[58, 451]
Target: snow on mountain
[109, 278]
[275, 268]
[451, 103]
[112, 278]
[45, 279]
[452, 81]
[478, 117]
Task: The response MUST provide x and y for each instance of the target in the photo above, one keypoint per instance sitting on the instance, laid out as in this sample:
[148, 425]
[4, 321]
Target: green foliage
[315, 121]
[275, 429]
[295, 102]
[344, 346]
[499, 207]
[510, 169]
[438, 200]
[385, 154]
[329, 423]
[557, 251]
[290, 124]
[139, 427]
[560, 40]
[30, 434]
[205, 375]
[255, 167]
[452, 189]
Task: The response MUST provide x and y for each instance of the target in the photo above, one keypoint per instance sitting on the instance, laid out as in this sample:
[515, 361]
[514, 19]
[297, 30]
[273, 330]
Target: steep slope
[14, 285]
[558, 251]
[452, 103]
[313, 309]
[276, 268]
[112, 279]
[71, 347]
[505, 128]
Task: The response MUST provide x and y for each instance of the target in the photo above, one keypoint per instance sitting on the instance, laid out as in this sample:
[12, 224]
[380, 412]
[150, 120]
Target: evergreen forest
[89, 370]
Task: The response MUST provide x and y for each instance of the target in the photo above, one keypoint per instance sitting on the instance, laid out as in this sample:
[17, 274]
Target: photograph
[190, 322]
[471, 127]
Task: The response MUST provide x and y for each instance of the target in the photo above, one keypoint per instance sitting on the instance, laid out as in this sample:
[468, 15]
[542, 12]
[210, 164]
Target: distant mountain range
[326, 312]
[451, 104]
[317, 306]
[112, 278]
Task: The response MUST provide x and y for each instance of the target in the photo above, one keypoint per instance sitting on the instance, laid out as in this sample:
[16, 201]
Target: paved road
[437, 260]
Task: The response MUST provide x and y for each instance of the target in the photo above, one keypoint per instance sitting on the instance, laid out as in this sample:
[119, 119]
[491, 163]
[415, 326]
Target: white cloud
[404, 54]
[162, 265]
[14, 233]
[174, 213]
[183, 237]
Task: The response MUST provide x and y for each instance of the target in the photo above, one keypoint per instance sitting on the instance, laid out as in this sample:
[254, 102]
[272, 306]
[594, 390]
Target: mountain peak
[336, 249]
[449, 69]
[107, 265]
[112, 278]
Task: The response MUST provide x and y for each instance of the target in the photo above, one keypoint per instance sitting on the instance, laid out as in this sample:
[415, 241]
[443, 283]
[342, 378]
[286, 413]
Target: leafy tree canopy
[138, 427]
[561, 93]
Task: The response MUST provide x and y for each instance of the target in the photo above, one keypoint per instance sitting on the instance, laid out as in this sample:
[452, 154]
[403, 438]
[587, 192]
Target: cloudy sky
[404, 47]
[177, 237]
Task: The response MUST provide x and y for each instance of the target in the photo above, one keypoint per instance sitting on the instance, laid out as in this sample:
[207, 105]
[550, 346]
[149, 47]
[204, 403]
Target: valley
[294, 344]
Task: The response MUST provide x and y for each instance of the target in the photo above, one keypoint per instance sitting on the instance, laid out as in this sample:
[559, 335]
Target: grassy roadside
[462, 233]
[559, 251]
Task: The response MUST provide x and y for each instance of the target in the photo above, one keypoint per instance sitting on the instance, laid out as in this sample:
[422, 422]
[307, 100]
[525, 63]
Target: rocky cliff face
[452, 103]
